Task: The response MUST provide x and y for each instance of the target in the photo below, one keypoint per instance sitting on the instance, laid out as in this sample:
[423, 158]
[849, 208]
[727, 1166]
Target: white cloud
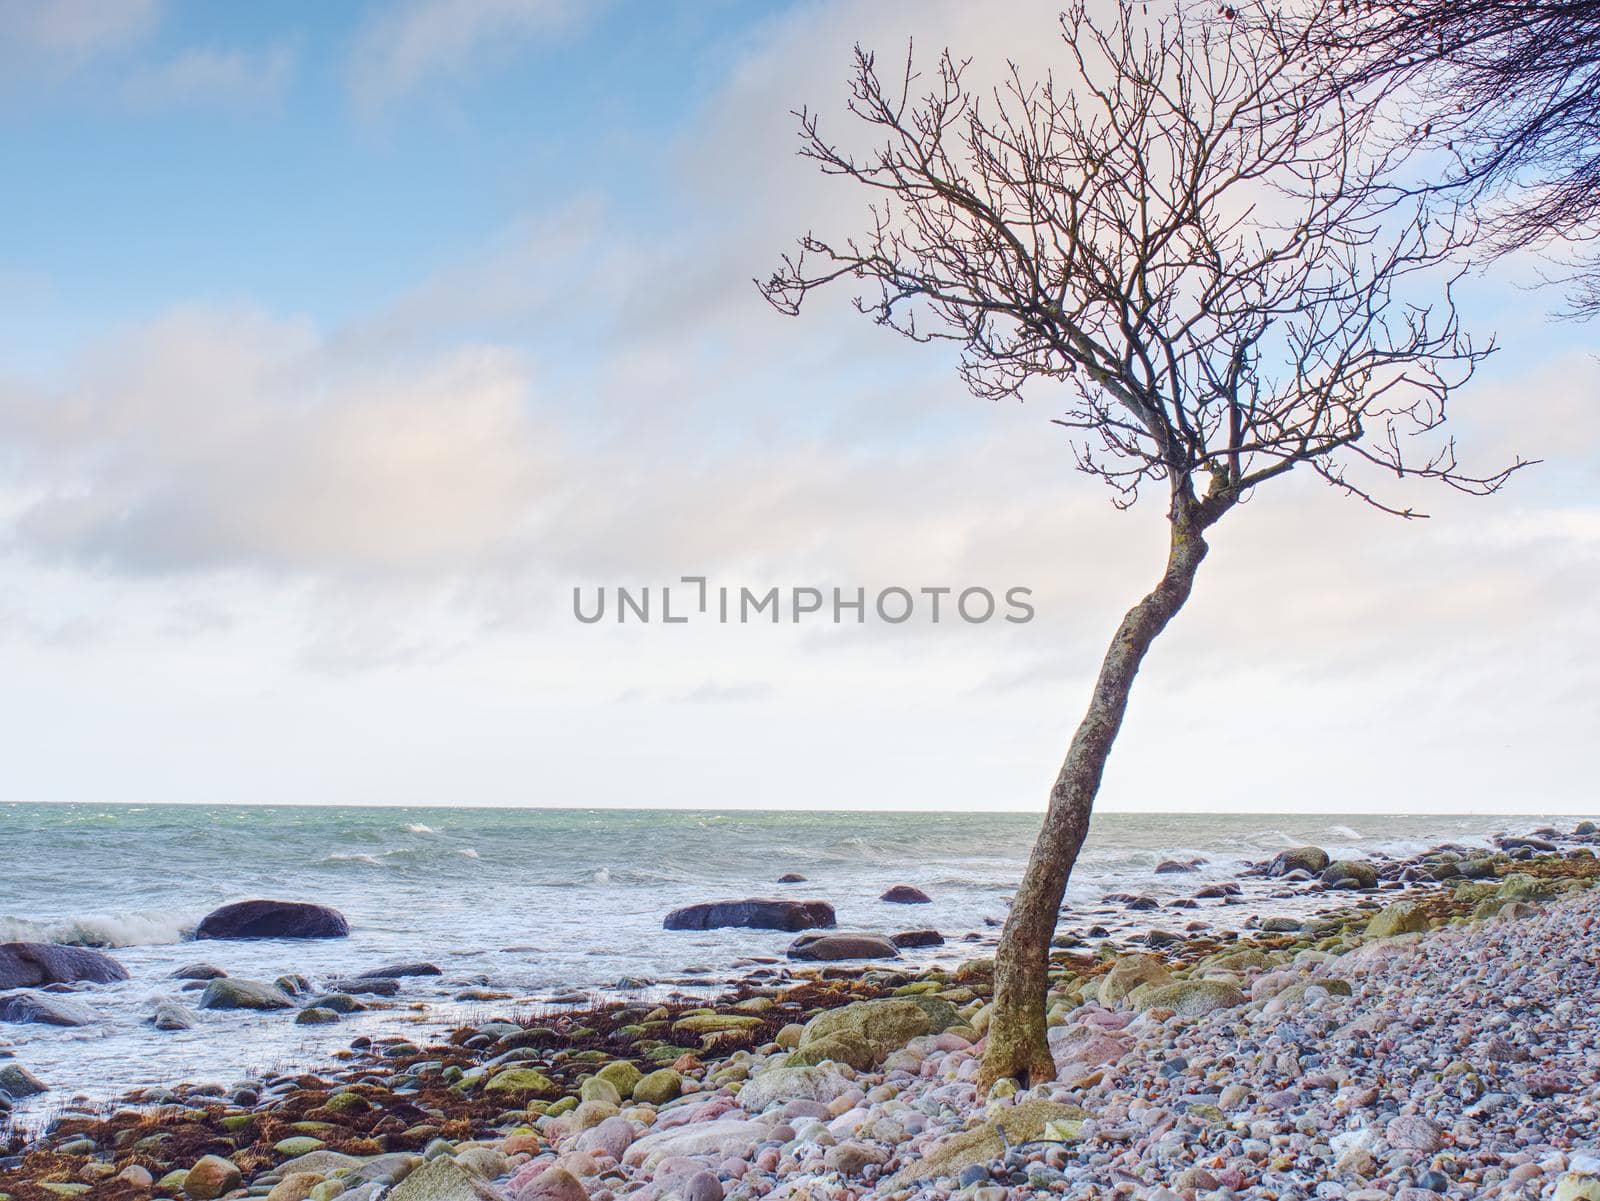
[210, 441]
[74, 30]
[406, 45]
[213, 76]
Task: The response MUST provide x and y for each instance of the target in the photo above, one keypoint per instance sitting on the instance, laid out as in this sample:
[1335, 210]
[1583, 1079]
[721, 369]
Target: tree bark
[1016, 1039]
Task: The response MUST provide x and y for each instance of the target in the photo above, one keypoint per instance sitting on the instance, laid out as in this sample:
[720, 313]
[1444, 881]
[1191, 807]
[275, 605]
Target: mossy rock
[1403, 917]
[715, 1023]
[1011, 1125]
[596, 1089]
[621, 1075]
[1350, 873]
[300, 1144]
[863, 1034]
[658, 1087]
[523, 1082]
[1189, 998]
[1127, 974]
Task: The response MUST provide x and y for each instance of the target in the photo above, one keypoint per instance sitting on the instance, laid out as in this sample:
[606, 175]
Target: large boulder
[757, 913]
[443, 1179]
[720, 1137]
[1350, 873]
[31, 964]
[867, 1032]
[1304, 859]
[1127, 974]
[44, 1009]
[843, 946]
[1190, 998]
[273, 919]
[232, 992]
[1027, 1121]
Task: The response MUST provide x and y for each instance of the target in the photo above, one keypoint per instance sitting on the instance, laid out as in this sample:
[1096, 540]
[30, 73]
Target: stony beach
[1427, 1028]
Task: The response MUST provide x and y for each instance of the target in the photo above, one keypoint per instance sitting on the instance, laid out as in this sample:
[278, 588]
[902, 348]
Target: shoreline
[411, 1094]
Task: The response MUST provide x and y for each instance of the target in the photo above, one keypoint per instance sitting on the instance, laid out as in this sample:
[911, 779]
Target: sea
[546, 904]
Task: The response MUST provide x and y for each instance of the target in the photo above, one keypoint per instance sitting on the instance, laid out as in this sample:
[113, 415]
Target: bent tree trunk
[1016, 1039]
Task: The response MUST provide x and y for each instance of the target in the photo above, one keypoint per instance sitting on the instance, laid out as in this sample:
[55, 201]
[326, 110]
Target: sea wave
[419, 828]
[102, 929]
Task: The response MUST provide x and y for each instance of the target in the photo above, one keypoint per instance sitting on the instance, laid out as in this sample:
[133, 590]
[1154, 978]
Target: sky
[342, 343]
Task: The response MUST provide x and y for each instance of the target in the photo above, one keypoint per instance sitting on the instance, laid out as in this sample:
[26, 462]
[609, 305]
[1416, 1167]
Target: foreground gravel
[1465, 1063]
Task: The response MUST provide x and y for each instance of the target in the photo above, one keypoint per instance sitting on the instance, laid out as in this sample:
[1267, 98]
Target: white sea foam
[102, 930]
[419, 828]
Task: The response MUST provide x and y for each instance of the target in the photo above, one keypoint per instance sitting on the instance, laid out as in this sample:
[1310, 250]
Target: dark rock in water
[1305, 859]
[917, 938]
[273, 919]
[1527, 842]
[1183, 903]
[31, 964]
[758, 913]
[1162, 938]
[292, 984]
[170, 1015]
[1172, 866]
[791, 878]
[400, 970]
[1099, 932]
[371, 986]
[1280, 925]
[1298, 876]
[339, 1002]
[1212, 891]
[233, 993]
[48, 1011]
[843, 946]
[905, 894]
[16, 1081]
[198, 971]
[1584, 829]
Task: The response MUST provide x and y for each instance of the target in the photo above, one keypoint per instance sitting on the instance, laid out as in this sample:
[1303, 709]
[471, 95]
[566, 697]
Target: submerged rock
[907, 939]
[758, 913]
[40, 1008]
[170, 1015]
[234, 993]
[843, 946]
[273, 919]
[16, 1081]
[905, 894]
[399, 971]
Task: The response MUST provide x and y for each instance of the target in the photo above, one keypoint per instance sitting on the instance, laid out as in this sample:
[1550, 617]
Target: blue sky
[343, 341]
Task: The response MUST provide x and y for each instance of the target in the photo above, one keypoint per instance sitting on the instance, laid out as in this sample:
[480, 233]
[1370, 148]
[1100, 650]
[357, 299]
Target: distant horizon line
[755, 809]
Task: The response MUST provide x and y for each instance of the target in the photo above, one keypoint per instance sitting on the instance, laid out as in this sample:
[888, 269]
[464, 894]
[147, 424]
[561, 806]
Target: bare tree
[1179, 233]
[1509, 90]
